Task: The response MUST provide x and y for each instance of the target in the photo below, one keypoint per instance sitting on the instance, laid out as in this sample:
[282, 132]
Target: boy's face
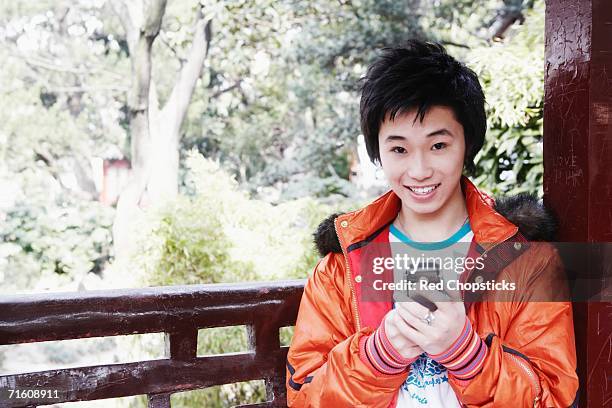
[417, 156]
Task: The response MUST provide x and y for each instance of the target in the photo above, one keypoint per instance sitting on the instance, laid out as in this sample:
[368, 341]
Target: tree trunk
[140, 41]
[163, 181]
[155, 132]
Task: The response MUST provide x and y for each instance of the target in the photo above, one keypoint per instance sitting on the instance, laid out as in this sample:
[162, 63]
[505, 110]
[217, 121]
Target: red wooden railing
[178, 311]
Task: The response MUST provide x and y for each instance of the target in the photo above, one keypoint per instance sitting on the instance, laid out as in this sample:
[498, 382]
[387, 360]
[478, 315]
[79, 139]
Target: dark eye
[439, 146]
[398, 149]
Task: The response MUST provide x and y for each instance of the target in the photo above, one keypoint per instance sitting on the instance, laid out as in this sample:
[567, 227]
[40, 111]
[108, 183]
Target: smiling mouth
[423, 190]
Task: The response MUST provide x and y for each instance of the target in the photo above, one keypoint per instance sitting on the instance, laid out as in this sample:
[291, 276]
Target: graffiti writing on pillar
[566, 171]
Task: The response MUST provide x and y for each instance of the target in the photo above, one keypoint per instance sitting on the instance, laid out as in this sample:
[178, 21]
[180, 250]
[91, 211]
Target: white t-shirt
[427, 384]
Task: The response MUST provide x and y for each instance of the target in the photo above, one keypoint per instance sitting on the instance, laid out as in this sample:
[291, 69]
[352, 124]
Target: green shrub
[512, 74]
[186, 244]
[46, 245]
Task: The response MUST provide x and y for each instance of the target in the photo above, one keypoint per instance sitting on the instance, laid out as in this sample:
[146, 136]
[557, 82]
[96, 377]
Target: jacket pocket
[524, 364]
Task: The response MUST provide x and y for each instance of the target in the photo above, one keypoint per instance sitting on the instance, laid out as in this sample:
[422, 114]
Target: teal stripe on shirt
[430, 246]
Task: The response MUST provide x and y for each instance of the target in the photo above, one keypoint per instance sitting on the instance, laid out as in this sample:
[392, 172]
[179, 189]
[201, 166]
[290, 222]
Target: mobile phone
[428, 273]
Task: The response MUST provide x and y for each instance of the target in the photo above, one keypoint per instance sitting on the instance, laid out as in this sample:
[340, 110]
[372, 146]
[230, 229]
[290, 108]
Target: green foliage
[512, 74]
[186, 245]
[49, 226]
[217, 233]
[279, 105]
[286, 335]
[292, 124]
[67, 238]
[55, 115]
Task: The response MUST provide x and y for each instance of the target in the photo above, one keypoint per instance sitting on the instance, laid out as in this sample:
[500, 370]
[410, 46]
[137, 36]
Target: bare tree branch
[227, 89]
[511, 12]
[163, 39]
[86, 185]
[351, 7]
[178, 102]
[84, 179]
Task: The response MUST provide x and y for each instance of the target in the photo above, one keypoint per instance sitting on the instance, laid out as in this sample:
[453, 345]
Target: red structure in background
[578, 167]
[115, 174]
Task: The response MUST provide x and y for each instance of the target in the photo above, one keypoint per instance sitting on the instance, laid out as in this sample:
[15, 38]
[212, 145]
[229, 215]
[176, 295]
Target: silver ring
[429, 317]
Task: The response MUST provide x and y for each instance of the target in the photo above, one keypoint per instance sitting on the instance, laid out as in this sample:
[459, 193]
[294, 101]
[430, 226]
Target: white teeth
[425, 190]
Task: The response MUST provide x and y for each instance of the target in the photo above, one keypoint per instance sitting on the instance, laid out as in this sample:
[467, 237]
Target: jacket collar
[488, 225]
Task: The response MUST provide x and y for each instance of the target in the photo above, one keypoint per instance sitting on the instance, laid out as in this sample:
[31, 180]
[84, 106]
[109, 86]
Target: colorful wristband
[464, 359]
[382, 355]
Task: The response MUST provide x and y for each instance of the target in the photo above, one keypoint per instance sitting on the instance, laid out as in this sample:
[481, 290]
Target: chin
[422, 209]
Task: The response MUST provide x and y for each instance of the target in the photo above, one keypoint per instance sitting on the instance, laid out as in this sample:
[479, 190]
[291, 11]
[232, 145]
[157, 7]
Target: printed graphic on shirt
[425, 376]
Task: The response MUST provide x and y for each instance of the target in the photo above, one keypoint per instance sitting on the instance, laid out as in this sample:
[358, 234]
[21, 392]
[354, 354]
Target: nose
[419, 168]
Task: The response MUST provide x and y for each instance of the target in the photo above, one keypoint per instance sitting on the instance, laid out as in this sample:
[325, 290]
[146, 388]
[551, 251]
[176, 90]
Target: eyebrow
[438, 132]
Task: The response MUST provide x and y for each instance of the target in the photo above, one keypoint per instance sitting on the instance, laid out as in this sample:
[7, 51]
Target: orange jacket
[531, 360]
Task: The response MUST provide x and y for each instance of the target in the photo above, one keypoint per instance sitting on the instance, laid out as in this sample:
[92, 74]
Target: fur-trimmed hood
[526, 211]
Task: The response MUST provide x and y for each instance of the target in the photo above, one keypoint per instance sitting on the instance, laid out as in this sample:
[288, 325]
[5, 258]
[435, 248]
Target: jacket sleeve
[531, 362]
[325, 367]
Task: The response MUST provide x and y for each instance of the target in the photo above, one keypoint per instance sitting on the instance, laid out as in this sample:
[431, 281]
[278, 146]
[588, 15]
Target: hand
[395, 329]
[449, 320]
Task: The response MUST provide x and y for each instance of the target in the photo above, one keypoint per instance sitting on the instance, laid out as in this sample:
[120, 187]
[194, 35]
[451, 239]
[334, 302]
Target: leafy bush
[512, 74]
[187, 244]
[49, 243]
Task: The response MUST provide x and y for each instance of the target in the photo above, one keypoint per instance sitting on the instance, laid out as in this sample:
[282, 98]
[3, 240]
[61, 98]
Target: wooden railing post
[158, 400]
[182, 345]
[263, 337]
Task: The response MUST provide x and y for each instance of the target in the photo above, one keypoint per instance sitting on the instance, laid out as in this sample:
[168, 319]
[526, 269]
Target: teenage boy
[423, 118]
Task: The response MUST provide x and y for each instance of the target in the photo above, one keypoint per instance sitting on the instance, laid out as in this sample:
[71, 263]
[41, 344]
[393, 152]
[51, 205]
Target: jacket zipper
[535, 383]
[350, 280]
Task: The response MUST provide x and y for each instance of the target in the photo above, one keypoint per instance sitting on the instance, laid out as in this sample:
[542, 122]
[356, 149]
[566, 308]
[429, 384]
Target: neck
[436, 226]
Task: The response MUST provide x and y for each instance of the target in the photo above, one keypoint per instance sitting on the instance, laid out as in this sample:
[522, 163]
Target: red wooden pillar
[578, 164]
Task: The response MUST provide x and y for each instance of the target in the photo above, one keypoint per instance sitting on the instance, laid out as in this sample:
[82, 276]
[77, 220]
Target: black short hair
[420, 75]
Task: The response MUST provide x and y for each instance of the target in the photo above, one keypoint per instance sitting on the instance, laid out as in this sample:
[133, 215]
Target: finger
[414, 319]
[407, 330]
[419, 324]
[450, 306]
[414, 307]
